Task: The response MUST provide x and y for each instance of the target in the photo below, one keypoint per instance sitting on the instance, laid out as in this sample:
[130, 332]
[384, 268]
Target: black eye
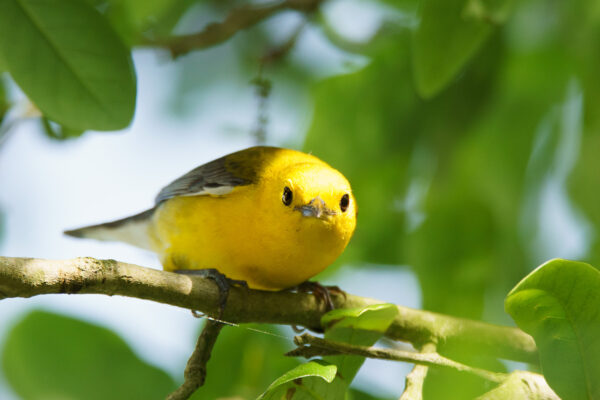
[344, 202]
[287, 196]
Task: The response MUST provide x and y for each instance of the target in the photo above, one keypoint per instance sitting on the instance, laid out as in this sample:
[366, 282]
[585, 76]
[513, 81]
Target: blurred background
[468, 129]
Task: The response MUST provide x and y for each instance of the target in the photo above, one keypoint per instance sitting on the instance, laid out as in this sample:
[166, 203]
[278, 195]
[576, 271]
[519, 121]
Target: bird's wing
[220, 176]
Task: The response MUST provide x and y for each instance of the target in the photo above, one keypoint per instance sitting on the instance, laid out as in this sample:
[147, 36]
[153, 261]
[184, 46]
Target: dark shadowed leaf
[450, 32]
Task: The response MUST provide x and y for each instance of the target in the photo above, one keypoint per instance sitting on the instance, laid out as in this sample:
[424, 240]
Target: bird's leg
[223, 283]
[322, 293]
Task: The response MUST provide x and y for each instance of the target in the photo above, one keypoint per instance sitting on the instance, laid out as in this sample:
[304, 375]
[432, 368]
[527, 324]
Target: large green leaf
[49, 356]
[298, 382]
[69, 62]
[449, 33]
[558, 305]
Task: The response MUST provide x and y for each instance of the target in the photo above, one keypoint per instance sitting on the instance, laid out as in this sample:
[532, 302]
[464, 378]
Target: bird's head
[314, 199]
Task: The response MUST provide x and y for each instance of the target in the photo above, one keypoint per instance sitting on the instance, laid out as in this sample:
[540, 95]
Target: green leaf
[69, 62]
[59, 132]
[356, 394]
[293, 384]
[521, 385]
[4, 103]
[558, 305]
[49, 356]
[357, 326]
[450, 32]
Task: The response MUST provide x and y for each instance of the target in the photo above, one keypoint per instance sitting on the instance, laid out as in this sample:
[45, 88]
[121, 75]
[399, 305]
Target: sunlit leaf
[69, 62]
[558, 305]
[295, 384]
[521, 385]
[357, 326]
[49, 356]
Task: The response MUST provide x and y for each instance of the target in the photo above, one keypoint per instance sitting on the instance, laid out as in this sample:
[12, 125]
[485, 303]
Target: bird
[269, 217]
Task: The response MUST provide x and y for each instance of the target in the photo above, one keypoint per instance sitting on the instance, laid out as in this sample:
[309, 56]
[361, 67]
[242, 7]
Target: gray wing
[211, 178]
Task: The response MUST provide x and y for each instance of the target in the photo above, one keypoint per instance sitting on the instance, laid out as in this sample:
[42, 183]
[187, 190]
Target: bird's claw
[322, 293]
[223, 283]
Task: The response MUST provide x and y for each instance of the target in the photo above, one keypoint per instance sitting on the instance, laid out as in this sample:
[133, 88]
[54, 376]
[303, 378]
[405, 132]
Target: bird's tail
[133, 230]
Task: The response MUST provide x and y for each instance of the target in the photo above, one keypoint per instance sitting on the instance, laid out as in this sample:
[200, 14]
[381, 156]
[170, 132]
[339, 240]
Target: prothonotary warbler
[268, 216]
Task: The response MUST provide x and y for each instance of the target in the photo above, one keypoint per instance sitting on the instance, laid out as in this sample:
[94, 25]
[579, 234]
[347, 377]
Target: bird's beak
[315, 208]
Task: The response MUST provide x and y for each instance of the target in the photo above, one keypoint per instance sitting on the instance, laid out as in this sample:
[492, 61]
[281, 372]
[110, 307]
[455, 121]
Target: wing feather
[220, 176]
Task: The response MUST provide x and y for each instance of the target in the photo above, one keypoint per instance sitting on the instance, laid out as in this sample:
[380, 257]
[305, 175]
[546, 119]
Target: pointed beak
[315, 208]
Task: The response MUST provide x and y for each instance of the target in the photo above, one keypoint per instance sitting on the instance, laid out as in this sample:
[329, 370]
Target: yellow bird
[268, 216]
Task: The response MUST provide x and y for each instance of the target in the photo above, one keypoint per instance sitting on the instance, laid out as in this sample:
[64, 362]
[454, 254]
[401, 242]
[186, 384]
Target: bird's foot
[322, 293]
[223, 283]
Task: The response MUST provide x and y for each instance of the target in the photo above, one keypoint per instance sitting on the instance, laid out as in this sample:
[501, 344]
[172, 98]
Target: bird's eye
[344, 202]
[287, 196]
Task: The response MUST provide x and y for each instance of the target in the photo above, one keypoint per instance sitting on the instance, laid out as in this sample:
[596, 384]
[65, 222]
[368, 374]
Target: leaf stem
[313, 344]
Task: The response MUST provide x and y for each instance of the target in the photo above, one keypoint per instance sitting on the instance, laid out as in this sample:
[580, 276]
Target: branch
[195, 370]
[314, 346]
[413, 389]
[27, 277]
[238, 19]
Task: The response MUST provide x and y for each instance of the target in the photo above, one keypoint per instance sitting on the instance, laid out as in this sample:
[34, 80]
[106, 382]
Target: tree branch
[238, 19]
[311, 346]
[27, 277]
[195, 370]
[413, 389]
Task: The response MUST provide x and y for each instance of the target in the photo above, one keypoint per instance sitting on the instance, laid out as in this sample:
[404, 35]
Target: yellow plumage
[237, 215]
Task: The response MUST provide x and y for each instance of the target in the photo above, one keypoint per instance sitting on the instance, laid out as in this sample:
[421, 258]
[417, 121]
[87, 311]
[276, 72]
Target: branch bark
[413, 388]
[238, 19]
[27, 277]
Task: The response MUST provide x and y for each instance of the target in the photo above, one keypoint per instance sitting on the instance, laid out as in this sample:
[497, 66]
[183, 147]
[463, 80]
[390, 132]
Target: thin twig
[27, 277]
[310, 345]
[264, 85]
[195, 370]
[238, 19]
[413, 388]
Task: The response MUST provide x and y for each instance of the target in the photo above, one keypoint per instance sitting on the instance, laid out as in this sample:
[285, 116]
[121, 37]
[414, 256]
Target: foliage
[470, 137]
[557, 304]
[73, 359]
[353, 326]
[87, 79]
